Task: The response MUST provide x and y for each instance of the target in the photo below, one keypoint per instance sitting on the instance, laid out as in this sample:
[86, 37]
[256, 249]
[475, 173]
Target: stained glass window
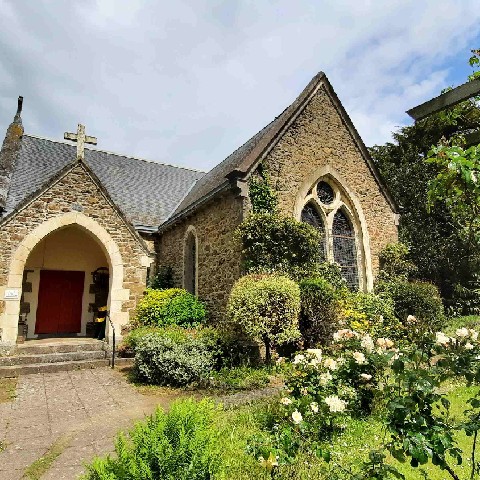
[344, 248]
[311, 216]
[190, 275]
[325, 193]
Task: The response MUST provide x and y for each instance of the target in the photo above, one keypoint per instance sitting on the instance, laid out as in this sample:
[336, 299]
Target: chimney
[8, 154]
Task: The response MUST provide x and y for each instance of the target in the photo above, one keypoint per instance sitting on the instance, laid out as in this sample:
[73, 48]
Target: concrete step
[57, 347]
[16, 370]
[52, 358]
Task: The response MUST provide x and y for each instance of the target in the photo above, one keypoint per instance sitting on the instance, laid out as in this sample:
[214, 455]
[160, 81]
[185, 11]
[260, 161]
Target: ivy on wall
[262, 197]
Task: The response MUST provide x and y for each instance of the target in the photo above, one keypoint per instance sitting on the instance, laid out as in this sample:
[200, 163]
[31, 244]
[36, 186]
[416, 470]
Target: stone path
[84, 409]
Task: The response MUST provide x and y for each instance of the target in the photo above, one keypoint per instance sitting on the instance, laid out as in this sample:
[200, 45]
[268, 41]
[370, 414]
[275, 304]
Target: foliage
[370, 313]
[180, 444]
[239, 378]
[394, 263]
[457, 186]
[332, 273]
[133, 337]
[418, 299]
[163, 278]
[170, 307]
[262, 197]
[275, 243]
[319, 311]
[437, 245]
[266, 308]
[175, 357]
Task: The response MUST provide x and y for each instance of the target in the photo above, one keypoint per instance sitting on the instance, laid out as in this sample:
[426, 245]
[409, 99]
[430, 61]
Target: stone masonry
[219, 255]
[76, 191]
[317, 138]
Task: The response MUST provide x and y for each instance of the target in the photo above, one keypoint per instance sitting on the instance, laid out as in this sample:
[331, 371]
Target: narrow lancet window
[344, 248]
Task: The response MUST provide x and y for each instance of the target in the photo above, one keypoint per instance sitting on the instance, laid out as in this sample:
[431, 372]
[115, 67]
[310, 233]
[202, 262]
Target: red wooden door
[60, 302]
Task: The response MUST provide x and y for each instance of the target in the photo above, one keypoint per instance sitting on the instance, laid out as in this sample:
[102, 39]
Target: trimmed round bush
[173, 306]
[419, 299]
[175, 357]
[266, 308]
[319, 310]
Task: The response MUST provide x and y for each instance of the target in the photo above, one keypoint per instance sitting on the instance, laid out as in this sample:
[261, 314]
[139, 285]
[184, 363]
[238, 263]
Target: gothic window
[344, 248]
[325, 193]
[190, 264]
[311, 216]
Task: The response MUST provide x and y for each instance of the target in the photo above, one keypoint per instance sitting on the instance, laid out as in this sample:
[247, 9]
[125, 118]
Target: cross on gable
[81, 140]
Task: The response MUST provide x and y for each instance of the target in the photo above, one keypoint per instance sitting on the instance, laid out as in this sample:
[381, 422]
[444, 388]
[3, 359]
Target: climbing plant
[262, 197]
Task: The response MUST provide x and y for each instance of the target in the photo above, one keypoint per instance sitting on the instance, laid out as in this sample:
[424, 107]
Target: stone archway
[10, 317]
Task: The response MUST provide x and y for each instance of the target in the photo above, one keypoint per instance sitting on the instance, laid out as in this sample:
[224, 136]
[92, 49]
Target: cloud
[188, 82]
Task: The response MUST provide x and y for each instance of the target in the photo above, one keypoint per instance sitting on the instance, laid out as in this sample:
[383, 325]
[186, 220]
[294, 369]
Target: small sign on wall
[12, 294]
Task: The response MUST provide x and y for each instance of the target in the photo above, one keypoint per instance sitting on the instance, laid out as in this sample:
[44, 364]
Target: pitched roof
[147, 192]
[241, 161]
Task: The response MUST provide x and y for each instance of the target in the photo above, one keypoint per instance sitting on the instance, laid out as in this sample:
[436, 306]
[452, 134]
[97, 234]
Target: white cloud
[188, 82]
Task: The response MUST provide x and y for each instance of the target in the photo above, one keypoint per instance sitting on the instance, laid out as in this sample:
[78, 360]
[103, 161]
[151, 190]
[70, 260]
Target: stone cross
[81, 140]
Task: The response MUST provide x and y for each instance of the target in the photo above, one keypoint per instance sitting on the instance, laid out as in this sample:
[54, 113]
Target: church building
[82, 228]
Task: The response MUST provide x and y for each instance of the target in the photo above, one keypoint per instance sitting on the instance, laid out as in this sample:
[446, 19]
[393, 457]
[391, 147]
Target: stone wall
[219, 256]
[319, 138]
[77, 192]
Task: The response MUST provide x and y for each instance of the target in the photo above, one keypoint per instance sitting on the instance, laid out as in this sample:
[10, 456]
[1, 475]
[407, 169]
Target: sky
[188, 82]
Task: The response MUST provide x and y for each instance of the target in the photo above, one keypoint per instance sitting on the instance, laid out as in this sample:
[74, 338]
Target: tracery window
[344, 248]
[190, 263]
[310, 215]
[326, 209]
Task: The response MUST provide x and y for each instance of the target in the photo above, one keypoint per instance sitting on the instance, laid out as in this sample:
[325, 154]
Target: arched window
[310, 215]
[190, 264]
[344, 248]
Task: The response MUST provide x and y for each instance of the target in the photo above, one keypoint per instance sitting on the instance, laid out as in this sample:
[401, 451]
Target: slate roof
[147, 192]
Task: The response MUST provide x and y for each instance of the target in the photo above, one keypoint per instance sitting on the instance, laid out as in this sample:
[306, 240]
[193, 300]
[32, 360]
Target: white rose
[365, 376]
[359, 358]
[367, 343]
[468, 346]
[299, 359]
[411, 319]
[325, 378]
[330, 363]
[335, 404]
[315, 351]
[442, 339]
[473, 335]
[314, 407]
[297, 417]
[285, 401]
[462, 332]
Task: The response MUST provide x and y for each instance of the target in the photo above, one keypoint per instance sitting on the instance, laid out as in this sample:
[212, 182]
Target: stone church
[80, 227]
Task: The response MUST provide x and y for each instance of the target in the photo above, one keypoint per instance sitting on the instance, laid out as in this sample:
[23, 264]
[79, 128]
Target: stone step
[16, 370]
[56, 347]
[52, 358]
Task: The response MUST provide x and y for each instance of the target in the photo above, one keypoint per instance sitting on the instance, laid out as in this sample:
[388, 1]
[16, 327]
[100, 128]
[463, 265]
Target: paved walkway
[84, 409]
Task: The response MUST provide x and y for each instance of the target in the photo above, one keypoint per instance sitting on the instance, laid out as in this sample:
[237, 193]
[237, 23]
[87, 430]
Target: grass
[8, 389]
[470, 321]
[40, 466]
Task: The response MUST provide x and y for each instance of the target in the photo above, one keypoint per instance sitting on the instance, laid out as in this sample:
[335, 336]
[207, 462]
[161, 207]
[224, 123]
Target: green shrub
[319, 310]
[332, 273]
[262, 197]
[175, 356]
[170, 307]
[131, 339]
[370, 313]
[420, 299]
[163, 279]
[274, 243]
[239, 378]
[266, 308]
[180, 444]
[394, 263]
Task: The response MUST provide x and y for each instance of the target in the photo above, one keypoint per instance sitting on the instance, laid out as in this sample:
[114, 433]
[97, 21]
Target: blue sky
[187, 82]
